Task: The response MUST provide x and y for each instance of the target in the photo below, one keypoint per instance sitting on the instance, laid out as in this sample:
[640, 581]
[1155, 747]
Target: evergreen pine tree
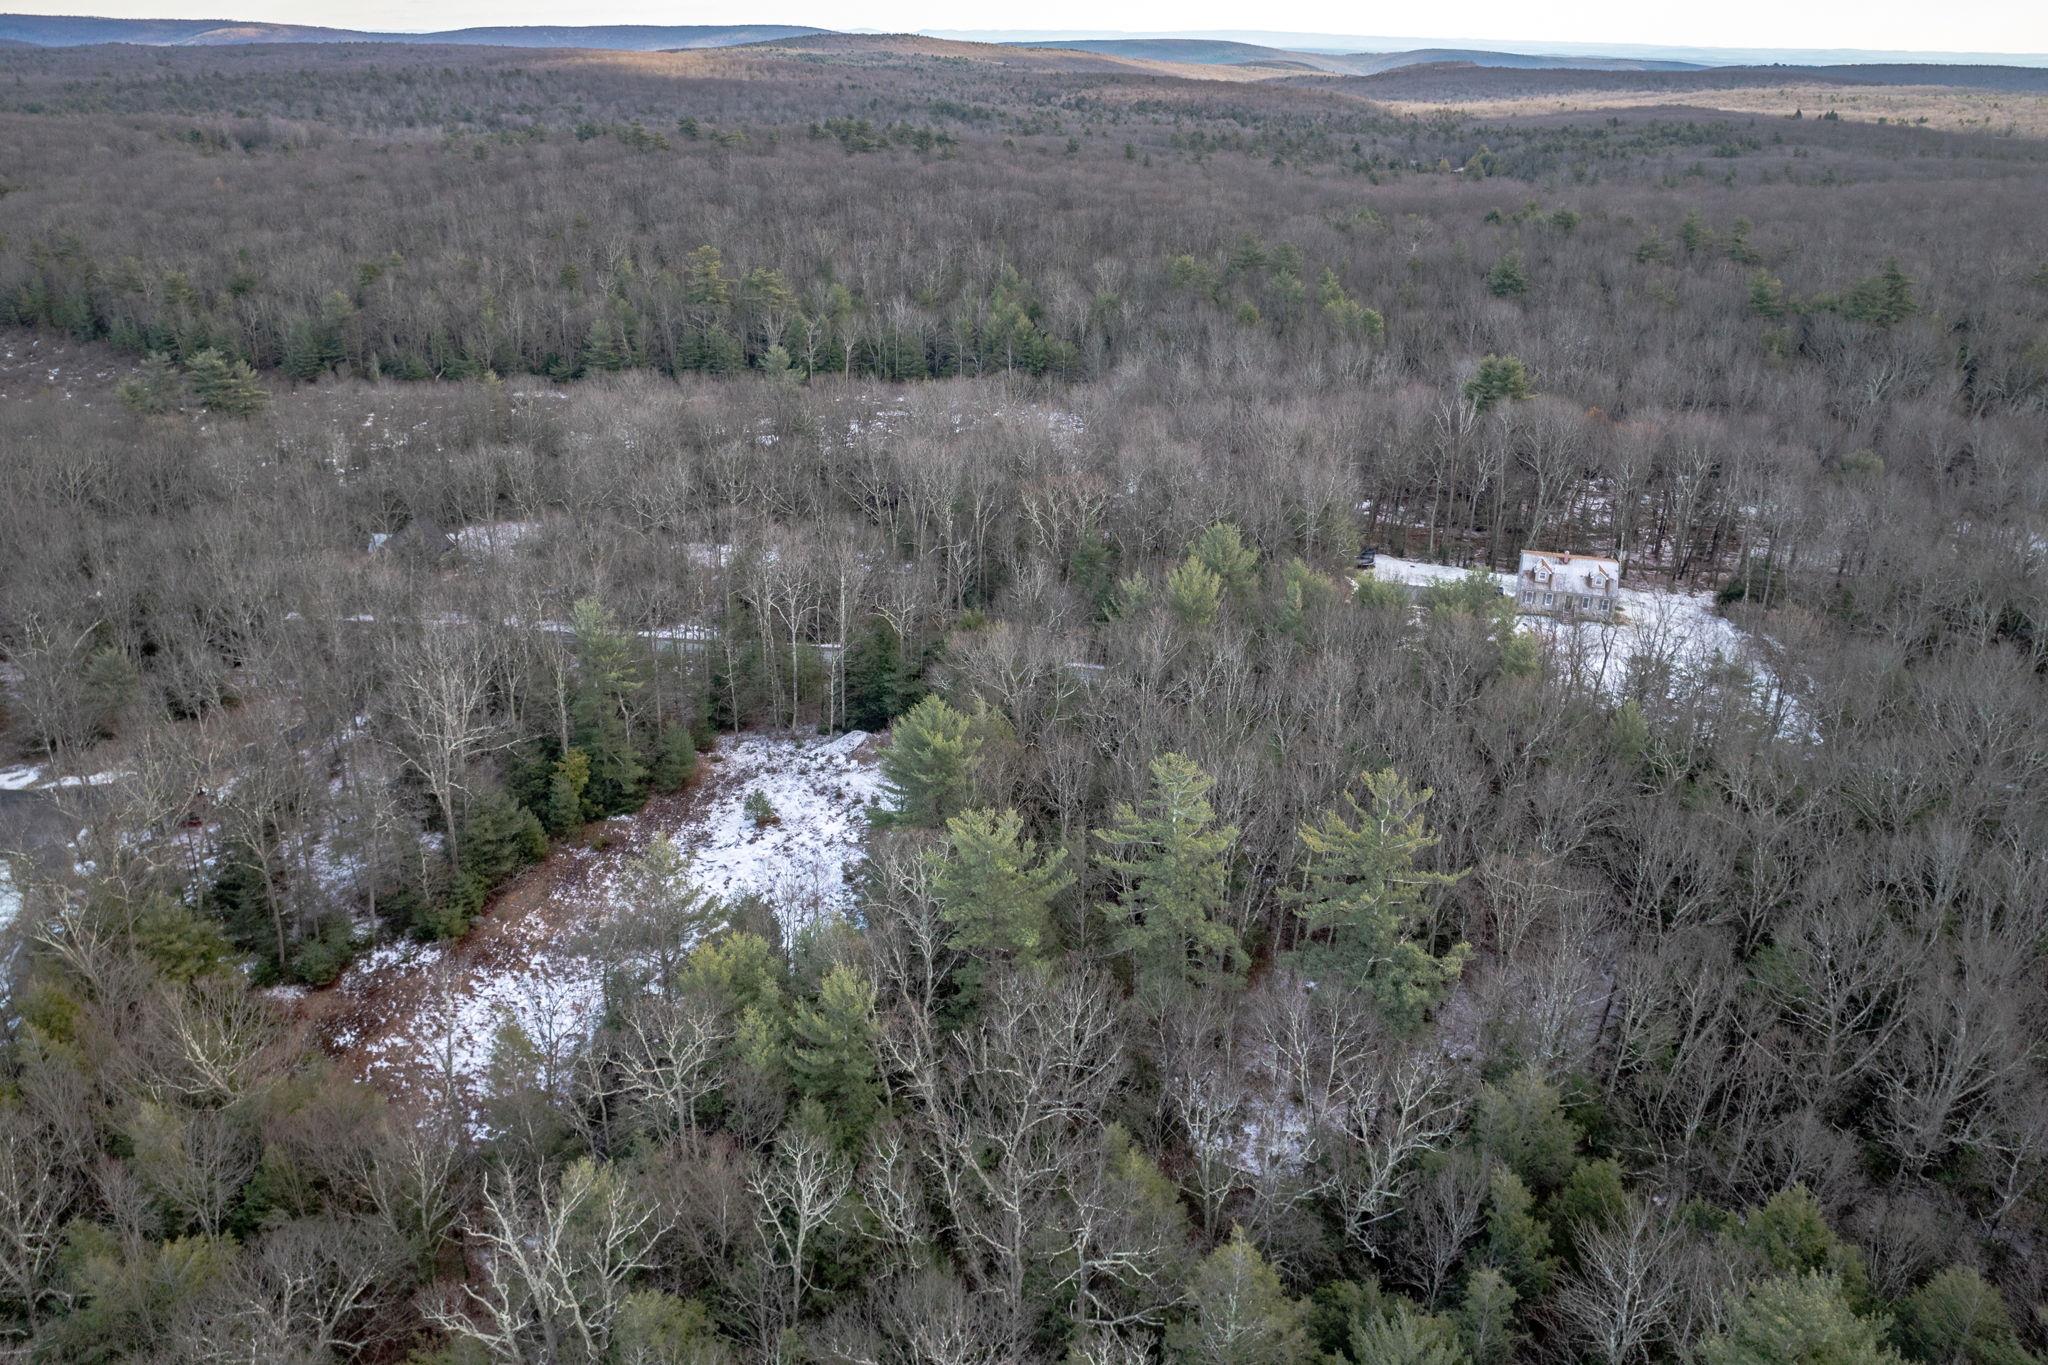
[1885, 299]
[662, 914]
[603, 349]
[227, 387]
[1222, 551]
[301, 359]
[705, 288]
[1517, 1241]
[1238, 1313]
[108, 683]
[1365, 894]
[1130, 597]
[1486, 1317]
[1797, 1320]
[1170, 860]
[1958, 1317]
[499, 836]
[930, 764]
[877, 687]
[1739, 249]
[1402, 1336]
[994, 889]
[675, 758]
[1194, 593]
[1694, 234]
[1593, 1199]
[566, 784]
[832, 1053]
[607, 677]
[656, 1328]
[154, 388]
[1509, 278]
[1766, 295]
[1500, 377]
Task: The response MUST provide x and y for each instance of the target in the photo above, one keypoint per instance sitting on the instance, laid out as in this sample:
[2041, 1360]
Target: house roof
[1569, 572]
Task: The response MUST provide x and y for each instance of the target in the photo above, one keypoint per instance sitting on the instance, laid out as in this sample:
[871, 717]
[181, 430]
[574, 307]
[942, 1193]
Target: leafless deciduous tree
[553, 1267]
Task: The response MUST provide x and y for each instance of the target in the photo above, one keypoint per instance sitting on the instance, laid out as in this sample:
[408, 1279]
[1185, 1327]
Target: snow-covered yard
[1420, 573]
[1678, 631]
[489, 538]
[423, 1017]
[1678, 634]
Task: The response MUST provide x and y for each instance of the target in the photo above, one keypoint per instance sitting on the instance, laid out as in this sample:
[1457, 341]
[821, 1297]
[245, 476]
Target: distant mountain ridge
[1463, 80]
[38, 30]
[1420, 72]
[1328, 44]
[1216, 52]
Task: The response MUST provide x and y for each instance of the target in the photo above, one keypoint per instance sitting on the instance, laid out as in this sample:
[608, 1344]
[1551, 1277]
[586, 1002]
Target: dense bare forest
[726, 706]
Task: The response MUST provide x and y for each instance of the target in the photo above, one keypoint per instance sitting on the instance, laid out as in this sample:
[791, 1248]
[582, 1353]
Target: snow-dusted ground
[1418, 573]
[536, 973]
[1678, 633]
[30, 778]
[820, 792]
[495, 537]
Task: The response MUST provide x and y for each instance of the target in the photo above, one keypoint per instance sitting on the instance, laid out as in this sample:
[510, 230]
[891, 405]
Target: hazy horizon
[2003, 29]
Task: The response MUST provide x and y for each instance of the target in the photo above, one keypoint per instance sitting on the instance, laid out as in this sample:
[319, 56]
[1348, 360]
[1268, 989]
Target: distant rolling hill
[36, 30]
[1194, 52]
[1215, 52]
[1366, 63]
[1458, 80]
[885, 48]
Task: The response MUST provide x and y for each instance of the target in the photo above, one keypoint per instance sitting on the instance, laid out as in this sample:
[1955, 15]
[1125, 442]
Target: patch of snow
[1675, 631]
[90, 779]
[1418, 573]
[495, 537]
[1679, 633]
[539, 978]
[27, 778]
[801, 863]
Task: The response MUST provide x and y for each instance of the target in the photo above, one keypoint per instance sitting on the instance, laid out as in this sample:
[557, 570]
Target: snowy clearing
[425, 1018]
[1417, 573]
[1677, 633]
[494, 537]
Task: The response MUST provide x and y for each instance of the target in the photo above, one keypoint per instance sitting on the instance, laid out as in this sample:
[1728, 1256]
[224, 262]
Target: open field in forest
[425, 1023]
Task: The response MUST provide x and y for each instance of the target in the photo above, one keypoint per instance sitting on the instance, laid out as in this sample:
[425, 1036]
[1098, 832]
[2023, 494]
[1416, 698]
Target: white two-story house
[1567, 585]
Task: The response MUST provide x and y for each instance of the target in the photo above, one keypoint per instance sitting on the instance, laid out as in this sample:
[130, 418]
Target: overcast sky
[1906, 25]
